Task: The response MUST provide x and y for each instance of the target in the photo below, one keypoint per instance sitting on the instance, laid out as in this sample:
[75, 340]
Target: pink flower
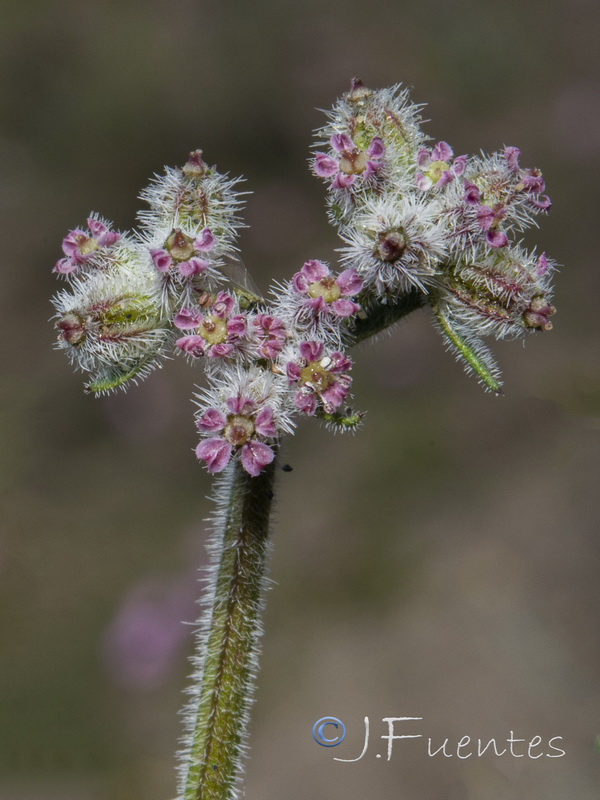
[322, 379]
[349, 162]
[217, 334]
[326, 293]
[79, 246]
[531, 181]
[183, 250]
[489, 220]
[241, 429]
[472, 194]
[512, 158]
[270, 333]
[437, 167]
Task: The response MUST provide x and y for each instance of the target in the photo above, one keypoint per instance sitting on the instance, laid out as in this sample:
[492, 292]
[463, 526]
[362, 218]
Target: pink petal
[64, 266]
[512, 158]
[216, 453]
[212, 420]
[376, 148]
[222, 350]
[270, 349]
[325, 166]
[187, 319]
[543, 203]
[300, 283]
[350, 282]
[333, 396]
[264, 422]
[423, 182]
[496, 238]
[423, 157]
[341, 363]
[109, 238]
[445, 178]
[314, 270]
[344, 307]
[459, 165]
[372, 168]
[293, 371]
[237, 326]
[161, 259]
[223, 305]
[342, 181]
[269, 325]
[241, 405]
[442, 152]
[311, 351]
[70, 244]
[342, 143]
[317, 304]
[96, 227]
[535, 184]
[193, 266]
[472, 194]
[306, 401]
[192, 345]
[255, 456]
[485, 216]
[206, 241]
[543, 265]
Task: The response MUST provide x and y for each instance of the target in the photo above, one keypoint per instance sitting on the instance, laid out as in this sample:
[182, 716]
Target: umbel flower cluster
[420, 226]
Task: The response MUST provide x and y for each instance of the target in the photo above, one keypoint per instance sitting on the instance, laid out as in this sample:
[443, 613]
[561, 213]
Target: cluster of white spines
[414, 220]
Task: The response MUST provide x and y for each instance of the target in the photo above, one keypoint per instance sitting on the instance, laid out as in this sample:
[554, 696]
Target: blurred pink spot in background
[144, 640]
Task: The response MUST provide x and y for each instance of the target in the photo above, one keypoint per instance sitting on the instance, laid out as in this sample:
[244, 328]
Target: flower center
[86, 244]
[436, 170]
[326, 288]
[392, 245]
[213, 330]
[238, 430]
[179, 245]
[316, 376]
[354, 163]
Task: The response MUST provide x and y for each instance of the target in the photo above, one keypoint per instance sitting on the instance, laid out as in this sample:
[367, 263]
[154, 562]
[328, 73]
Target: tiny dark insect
[287, 468]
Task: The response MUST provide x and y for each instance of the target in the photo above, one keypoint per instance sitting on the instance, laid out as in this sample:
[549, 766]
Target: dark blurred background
[443, 563]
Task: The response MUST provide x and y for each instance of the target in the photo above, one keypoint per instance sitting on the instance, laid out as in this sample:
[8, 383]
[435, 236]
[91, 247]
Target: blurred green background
[442, 563]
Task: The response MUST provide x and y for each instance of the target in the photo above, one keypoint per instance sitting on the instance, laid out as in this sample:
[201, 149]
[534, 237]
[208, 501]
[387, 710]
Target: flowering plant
[420, 227]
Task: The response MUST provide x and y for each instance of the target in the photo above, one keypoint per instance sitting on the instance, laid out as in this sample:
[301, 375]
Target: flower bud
[193, 198]
[369, 146]
[503, 293]
[110, 324]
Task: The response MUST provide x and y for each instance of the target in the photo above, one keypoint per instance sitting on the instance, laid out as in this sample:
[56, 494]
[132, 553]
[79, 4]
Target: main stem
[226, 658]
[227, 642]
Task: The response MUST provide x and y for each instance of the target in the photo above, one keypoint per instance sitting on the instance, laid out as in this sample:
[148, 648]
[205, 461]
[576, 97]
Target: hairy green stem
[228, 638]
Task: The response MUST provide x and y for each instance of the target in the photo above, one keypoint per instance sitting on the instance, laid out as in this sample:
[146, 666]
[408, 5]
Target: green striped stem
[226, 659]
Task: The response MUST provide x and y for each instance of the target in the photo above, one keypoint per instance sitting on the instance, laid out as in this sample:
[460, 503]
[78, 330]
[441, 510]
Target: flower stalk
[227, 642]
